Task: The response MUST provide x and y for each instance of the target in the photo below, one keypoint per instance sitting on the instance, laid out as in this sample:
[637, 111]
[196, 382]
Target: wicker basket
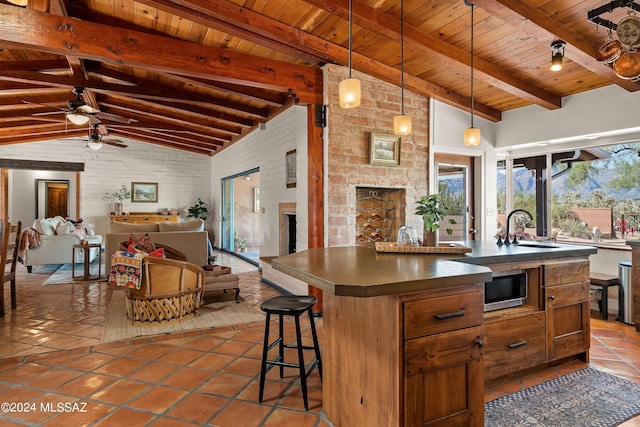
[442, 248]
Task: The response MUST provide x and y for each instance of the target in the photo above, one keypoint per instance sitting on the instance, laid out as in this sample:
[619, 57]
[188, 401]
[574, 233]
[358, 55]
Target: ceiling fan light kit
[78, 119]
[557, 54]
[94, 145]
[349, 92]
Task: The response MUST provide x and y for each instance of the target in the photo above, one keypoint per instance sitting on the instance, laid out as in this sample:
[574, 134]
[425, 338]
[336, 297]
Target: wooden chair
[170, 290]
[8, 260]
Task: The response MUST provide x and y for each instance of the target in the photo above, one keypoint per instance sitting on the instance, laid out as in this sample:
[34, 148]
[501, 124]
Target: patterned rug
[584, 398]
[218, 310]
[62, 276]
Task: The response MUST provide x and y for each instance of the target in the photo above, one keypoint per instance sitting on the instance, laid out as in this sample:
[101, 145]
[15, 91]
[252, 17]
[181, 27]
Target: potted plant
[432, 213]
[117, 197]
[198, 210]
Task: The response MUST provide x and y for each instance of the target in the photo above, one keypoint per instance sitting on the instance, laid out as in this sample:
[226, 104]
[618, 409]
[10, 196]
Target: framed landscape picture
[384, 149]
[144, 192]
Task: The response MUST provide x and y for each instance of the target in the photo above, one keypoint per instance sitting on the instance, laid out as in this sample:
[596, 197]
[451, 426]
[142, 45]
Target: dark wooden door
[57, 197]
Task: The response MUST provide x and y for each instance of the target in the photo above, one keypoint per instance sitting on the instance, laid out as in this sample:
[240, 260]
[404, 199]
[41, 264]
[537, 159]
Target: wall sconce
[349, 89]
[78, 119]
[557, 53]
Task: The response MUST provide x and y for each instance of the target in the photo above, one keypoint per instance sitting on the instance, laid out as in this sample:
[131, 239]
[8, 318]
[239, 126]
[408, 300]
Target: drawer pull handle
[449, 315]
[552, 297]
[518, 344]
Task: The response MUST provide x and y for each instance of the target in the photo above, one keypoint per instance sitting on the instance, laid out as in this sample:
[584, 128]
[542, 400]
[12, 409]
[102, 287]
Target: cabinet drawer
[441, 350]
[514, 344]
[567, 272]
[447, 313]
[573, 293]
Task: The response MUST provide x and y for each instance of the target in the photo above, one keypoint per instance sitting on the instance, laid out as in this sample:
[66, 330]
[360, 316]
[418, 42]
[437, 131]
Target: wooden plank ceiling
[198, 75]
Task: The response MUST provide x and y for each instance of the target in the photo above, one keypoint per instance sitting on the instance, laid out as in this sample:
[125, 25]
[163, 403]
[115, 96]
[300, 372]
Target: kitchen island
[407, 341]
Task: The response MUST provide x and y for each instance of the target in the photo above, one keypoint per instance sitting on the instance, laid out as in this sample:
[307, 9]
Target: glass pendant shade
[349, 93]
[472, 137]
[402, 125]
[78, 119]
[18, 2]
[94, 145]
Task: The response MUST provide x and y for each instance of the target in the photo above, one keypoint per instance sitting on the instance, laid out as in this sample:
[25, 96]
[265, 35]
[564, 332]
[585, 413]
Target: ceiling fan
[97, 138]
[80, 113]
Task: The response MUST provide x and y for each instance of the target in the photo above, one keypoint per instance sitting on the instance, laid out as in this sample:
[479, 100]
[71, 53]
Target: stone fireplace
[287, 228]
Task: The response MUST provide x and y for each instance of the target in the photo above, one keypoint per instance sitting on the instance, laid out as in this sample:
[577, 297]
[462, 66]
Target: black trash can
[625, 296]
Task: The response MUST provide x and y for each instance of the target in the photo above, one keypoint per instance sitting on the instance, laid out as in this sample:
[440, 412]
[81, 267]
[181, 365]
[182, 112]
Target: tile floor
[56, 372]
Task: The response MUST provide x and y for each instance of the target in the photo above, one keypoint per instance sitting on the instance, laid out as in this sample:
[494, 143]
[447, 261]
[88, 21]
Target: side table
[86, 248]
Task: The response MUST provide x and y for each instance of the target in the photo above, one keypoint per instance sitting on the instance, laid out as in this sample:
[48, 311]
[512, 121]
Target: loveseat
[188, 237]
[54, 242]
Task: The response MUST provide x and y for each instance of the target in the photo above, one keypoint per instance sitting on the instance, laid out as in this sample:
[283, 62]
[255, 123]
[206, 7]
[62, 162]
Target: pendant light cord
[350, 32]
[402, 54]
[472, 92]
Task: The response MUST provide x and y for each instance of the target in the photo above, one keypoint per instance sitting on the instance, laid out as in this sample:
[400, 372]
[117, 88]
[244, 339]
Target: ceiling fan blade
[44, 105]
[114, 143]
[116, 118]
[48, 113]
[87, 109]
[94, 120]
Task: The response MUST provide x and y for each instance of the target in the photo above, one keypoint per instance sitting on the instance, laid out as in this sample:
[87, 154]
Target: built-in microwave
[506, 289]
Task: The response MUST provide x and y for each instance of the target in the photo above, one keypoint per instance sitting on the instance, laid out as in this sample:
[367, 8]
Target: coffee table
[86, 248]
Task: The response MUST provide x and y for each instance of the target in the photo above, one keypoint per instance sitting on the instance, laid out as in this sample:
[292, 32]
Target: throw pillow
[143, 243]
[44, 226]
[63, 227]
[158, 253]
[79, 229]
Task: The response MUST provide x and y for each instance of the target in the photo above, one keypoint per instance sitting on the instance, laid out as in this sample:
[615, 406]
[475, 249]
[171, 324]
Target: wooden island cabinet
[407, 341]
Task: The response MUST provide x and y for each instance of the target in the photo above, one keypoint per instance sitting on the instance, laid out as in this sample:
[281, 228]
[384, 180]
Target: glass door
[227, 240]
[456, 196]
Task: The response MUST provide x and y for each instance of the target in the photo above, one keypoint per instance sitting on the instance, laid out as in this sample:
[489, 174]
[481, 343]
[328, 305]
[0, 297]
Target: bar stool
[289, 305]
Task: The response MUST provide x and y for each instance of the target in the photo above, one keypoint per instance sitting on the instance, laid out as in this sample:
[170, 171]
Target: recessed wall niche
[380, 212]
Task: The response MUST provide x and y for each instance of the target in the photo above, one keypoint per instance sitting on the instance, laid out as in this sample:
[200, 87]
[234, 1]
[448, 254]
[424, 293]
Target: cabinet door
[567, 317]
[444, 381]
[514, 344]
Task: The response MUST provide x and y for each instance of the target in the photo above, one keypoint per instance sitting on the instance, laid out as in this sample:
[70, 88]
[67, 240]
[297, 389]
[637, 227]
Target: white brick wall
[182, 177]
[266, 150]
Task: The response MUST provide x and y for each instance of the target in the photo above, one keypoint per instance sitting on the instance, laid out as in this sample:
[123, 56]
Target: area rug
[583, 398]
[220, 310]
[62, 275]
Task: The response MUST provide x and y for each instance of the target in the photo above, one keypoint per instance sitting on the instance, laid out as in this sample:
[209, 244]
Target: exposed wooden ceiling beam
[271, 29]
[546, 29]
[422, 42]
[100, 42]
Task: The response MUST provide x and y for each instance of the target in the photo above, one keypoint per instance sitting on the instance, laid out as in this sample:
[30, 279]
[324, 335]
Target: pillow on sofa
[64, 227]
[143, 243]
[123, 227]
[158, 253]
[193, 225]
[44, 226]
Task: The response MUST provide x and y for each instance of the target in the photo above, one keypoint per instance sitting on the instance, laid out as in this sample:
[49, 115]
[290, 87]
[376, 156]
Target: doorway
[52, 198]
[240, 222]
[455, 190]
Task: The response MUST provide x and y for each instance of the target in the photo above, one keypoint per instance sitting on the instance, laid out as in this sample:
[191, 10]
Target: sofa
[52, 241]
[188, 237]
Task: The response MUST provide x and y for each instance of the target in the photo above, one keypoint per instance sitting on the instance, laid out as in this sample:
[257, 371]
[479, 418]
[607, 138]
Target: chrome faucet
[515, 240]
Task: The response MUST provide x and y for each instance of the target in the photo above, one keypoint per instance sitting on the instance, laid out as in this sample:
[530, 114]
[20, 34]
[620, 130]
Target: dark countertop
[633, 242]
[360, 271]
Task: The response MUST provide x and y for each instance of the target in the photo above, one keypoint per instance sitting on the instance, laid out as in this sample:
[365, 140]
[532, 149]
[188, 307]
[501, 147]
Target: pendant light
[349, 89]
[557, 53]
[78, 119]
[402, 123]
[472, 134]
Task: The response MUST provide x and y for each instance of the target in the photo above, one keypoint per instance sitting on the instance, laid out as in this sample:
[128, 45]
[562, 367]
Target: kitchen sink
[537, 245]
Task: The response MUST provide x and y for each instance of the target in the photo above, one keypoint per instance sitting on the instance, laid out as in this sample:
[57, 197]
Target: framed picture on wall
[144, 192]
[256, 199]
[290, 163]
[384, 149]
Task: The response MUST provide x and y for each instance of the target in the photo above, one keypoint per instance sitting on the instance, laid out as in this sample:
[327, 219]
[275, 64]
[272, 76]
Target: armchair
[170, 289]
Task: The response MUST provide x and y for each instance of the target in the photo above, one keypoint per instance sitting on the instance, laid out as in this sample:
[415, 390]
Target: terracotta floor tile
[197, 407]
[243, 414]
[85, 416]
[157, 399]
[234, 347]
[289, 418]
[126, 417]
[86, 384]
[243, 366]
[181, 356]
[121, 366]
[53, 379]
[153, 372]
[188, 378]
[91, 361]
[120, 391]
[151, 351]
[213, 361]
[225, 385]
[22, 373]
[204, 343]
[170, 422]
